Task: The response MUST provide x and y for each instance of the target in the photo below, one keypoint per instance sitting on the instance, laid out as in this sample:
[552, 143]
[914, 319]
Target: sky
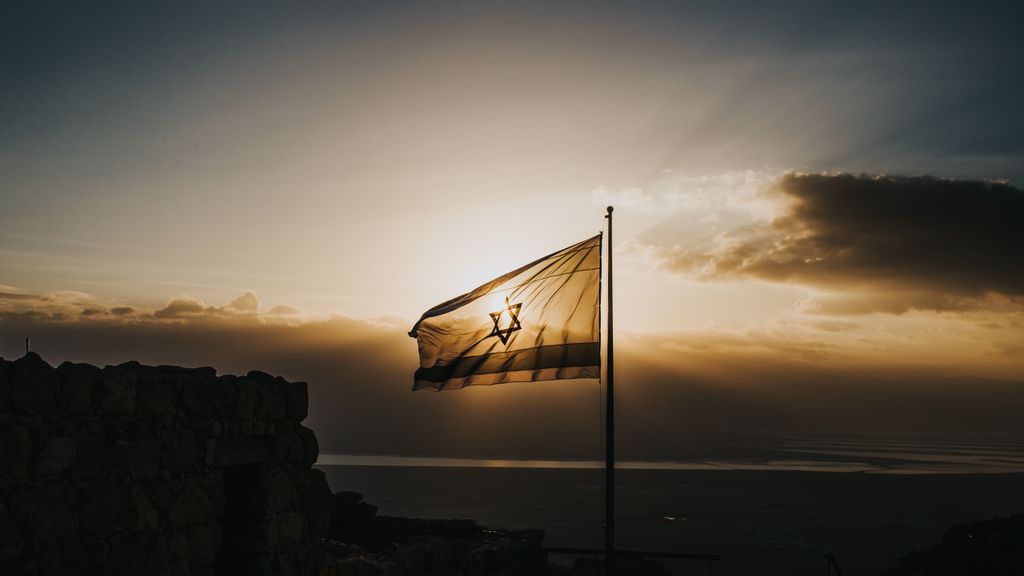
[818, 206]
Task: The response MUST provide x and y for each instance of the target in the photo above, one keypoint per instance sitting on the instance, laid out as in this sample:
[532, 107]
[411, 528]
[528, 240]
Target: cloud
[832, 325]
[893, 243]
[710, 194]
[183, 307]
[70, 306]
[247, 302]
[62, 305]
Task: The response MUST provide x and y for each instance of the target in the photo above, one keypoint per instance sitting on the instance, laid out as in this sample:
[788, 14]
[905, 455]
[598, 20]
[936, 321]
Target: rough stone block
[177, 547]
[279, 407]
[246, 404]
[315, 490]
[318, 522]
[130, 558]
[281, 531]
[57, 455]
[118, 453]
[92, 455]
[51, 516]
[236, 450]
[278, 492]
[190, 506]
[77, 385]
[259, 376]
[203, 542]
[180, 449]
[20, 504]
[288, 448]
[310, 446]
[15, 450]
[161, 497]
[10, 541]
[197, 396]
[118, 392]
[146, 457]
[74, 556]
[228, 402]
[138, 512]
[99, 508]
[154, 394]
[298, 401]
[76, 397]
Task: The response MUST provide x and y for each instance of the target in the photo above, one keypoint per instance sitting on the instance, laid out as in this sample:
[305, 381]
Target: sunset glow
[307, 178]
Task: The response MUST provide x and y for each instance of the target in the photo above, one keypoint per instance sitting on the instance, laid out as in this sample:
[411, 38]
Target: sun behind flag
[540, 322]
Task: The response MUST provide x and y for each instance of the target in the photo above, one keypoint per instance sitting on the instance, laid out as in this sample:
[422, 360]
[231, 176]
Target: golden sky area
[801, 196]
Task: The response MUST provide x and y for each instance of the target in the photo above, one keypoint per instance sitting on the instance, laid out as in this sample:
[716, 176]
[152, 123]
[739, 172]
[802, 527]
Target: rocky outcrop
[993, 547]
[138, 470]
[365, 544]
[361, 543]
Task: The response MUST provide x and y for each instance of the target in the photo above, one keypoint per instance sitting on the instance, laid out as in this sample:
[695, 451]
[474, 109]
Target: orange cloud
[875, 243]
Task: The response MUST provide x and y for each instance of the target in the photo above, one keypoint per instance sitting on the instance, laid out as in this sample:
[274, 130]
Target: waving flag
[539, 322]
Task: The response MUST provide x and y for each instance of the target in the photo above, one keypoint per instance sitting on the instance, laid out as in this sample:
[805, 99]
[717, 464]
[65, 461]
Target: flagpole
[609, 419]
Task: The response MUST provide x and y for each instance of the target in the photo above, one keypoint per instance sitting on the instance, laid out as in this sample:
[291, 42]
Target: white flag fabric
[540, 322]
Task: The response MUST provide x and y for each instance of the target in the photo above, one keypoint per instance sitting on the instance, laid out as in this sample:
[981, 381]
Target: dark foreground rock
[362, 543]
[138, 470]
[988, 547]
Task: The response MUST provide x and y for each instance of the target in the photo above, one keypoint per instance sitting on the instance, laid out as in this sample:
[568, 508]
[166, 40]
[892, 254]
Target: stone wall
[138, 470]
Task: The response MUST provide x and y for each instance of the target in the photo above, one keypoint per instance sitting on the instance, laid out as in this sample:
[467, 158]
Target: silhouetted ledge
[366, 544]
[140, 470]
[991, 547]
[362, 543]
[137, 470]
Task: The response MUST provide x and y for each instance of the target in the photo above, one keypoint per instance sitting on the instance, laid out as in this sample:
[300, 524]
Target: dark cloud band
[932, 243]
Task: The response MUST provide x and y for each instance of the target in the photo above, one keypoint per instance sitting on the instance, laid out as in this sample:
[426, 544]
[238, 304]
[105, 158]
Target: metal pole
[609, 419]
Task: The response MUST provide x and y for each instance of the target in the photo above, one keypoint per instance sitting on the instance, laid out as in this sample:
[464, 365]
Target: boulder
[191, 506]
[118, 390]
[57, 455]
[298, 401]
[92, 456]
[203, 542]
[77, 383]
[99, 508]
[154, 394]
[138, 512]
[197, 396]
[146, 457]
[15, 450]
[994, 546]
[310, 446]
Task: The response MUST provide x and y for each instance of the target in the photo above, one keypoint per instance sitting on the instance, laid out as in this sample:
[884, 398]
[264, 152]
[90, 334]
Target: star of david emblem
[513, 324]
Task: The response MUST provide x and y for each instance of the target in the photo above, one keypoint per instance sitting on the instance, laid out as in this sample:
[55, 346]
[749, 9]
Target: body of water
[868, 500]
